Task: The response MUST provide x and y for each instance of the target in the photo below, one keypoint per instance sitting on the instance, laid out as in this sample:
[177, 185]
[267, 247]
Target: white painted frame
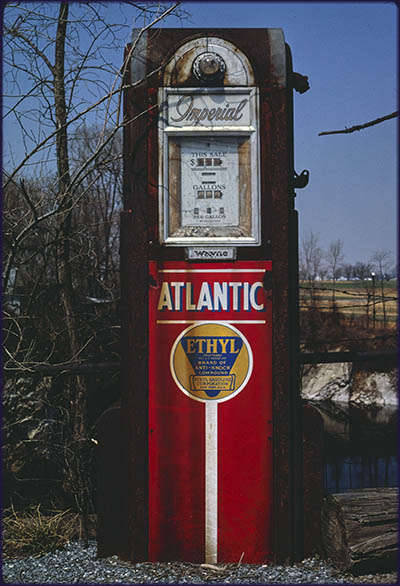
[251, 131]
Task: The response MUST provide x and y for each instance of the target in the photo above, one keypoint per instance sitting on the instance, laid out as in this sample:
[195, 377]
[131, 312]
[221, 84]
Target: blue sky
[349, 52]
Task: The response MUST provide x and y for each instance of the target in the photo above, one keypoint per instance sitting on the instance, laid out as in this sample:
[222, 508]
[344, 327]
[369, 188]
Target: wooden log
[359, 529]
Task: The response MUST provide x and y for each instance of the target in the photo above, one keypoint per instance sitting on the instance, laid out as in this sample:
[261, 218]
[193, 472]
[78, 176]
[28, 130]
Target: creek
[360, 445]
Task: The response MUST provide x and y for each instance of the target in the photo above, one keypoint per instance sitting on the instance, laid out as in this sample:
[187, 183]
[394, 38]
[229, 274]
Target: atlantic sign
[210, 412]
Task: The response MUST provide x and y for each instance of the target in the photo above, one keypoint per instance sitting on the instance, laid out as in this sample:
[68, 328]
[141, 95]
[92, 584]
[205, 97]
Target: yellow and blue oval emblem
[211, 361]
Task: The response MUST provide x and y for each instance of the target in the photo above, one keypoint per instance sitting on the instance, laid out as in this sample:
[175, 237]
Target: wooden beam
[359, 529]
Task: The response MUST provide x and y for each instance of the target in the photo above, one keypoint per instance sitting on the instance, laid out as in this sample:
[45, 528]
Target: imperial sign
[207, 109]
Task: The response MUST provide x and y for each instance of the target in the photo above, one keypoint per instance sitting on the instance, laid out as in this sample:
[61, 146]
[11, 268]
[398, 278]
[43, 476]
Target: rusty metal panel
[134, 316]
[112, 494]
[277, 57]
[178, 71]
[313, 468]
[262, 48]
[140, 241]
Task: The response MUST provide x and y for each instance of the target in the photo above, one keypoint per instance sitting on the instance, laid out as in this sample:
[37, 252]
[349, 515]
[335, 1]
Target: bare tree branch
[74, 119]
[63, 94]
[360, 126]
[16, 33]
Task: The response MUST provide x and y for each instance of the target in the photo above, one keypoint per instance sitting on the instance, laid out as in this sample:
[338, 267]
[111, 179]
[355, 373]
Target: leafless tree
[348, 271]
[362, 270]
[58, 76]
[323, 272]
[381, 261]
[63, 189]
[334, 259]
[311, 256]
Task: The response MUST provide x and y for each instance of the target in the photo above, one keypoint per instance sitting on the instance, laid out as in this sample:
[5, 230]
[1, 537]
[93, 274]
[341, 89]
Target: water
[360, 446]
[360, 472]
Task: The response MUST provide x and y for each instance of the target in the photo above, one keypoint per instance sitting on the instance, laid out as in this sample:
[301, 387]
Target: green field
[353, 298]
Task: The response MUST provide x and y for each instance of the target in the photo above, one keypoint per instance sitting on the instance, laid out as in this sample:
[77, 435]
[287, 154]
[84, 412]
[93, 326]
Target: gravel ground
[75, 564]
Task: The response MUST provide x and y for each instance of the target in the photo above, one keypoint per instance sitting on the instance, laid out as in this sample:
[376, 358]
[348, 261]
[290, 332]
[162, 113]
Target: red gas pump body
[212, 457]
[241, 491]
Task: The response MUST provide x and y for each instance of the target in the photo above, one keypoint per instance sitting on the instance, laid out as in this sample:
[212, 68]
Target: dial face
[208, 66]
[210, 182]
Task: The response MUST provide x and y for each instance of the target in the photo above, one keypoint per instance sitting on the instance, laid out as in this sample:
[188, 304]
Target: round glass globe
[209, 65]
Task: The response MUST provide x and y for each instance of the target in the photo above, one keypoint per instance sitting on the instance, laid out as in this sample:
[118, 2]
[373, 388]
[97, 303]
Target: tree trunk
[383, 300]
[359, 529]
[65, 201]
[66, 204]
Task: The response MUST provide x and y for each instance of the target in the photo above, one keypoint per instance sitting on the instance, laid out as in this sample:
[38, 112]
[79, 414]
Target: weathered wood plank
[360, 529]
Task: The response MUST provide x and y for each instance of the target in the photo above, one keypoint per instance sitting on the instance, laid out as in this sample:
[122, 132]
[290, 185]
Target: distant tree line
[317, 265]
[321, 265]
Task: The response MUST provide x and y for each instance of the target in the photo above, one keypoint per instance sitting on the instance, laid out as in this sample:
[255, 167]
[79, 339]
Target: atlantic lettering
[226, 296]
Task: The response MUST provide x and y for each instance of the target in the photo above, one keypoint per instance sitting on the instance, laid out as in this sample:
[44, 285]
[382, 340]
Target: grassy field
[356, 299]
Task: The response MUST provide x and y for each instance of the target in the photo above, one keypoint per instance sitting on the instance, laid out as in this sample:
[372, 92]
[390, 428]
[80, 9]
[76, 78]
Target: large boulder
[374, 388]
[327, 382]
[344, 382]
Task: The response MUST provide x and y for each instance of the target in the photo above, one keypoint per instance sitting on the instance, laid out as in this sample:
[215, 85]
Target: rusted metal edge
[139, 55]
[277, 55]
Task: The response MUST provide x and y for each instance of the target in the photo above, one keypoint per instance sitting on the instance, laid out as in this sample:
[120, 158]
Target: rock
[375, 388]
[327, 382]
[344, 382]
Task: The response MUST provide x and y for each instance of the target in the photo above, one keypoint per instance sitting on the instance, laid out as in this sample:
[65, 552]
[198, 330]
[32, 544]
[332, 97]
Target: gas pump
[208, 274]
